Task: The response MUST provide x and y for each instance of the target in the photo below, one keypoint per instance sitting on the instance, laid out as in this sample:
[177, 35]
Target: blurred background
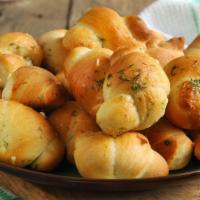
[39, 16]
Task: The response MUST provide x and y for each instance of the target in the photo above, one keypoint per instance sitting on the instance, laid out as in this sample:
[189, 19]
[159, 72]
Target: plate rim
[33, 173]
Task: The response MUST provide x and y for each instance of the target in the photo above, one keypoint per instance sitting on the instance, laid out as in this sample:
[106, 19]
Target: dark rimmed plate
[67, 176]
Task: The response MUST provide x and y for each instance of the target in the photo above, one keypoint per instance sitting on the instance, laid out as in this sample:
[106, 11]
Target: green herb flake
[136, 86]
[5, 144]
[195, 84]
[12, 44]
[99, 83]
[18, 47]
[123, 76]
[108, 84]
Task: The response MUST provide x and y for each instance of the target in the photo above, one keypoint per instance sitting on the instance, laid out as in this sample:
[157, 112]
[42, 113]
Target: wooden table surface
[38, 16]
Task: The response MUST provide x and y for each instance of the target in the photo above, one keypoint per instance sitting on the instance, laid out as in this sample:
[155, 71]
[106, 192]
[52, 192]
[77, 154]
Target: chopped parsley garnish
[5, 144]
[123, 76]
[16, 46]
[195, 84]
[99, 82]
[12, 44]
[136, 86]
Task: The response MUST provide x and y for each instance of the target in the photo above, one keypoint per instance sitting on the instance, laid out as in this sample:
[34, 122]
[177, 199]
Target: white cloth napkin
[174, 18]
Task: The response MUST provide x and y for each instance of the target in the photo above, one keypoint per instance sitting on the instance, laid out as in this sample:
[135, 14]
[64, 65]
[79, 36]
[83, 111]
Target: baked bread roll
[8, 64]
[85, 71]
[135, 93]
[124, 157]
[23, 45]
[103, 27]
[166, 51]
[35, 87]
[171, 142]
[194, 47]
[53, 50]
[70, 120]
[26, 138]
[183, 108]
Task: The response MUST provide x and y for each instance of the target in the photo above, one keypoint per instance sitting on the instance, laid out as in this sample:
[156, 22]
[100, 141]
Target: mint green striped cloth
[195, 9]
[5, 194]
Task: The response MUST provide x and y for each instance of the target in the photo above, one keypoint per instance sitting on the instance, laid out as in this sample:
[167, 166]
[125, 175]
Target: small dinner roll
[183, 108]
[26, 138]
[85, 71]
[70, 120]
[53, 50]
[171, 142]
[194, 47]
[8, 64]
[103, 27]
[35, 87]
[23, 45]
[166, 51]
[124, 157]
[135, 93]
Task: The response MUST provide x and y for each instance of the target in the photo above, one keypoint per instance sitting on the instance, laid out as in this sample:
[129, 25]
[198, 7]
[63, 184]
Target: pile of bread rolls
[116, 97]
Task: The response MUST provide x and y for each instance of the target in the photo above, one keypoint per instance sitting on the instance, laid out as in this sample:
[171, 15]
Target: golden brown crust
[70, 120]
[35, 87]
[126, 156]
[183, 106]
[45, 161]
[25, 136]
[171, 142]
[166, 51]
[53, 50]
[194, 47]
[85, 71]
[135, 93]
[8, 64]
[23, 45]
[100, 27]
[138, 28]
